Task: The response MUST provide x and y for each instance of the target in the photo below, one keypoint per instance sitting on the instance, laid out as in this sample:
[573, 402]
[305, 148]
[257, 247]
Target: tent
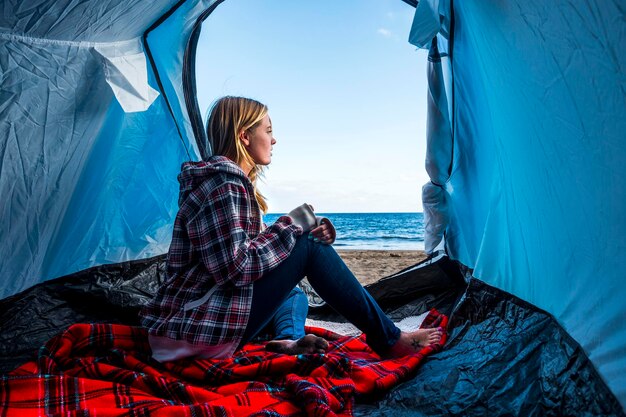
[526, 123]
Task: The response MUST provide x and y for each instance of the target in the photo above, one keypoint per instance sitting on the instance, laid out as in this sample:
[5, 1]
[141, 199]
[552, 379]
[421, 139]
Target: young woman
[229, 276]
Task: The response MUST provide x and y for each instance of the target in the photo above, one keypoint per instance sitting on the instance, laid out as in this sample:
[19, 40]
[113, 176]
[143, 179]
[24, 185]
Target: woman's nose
[273, 140]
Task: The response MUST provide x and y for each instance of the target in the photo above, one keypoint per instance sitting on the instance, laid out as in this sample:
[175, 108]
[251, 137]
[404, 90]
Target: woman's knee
[315, 256]
[302, 242]
[308, 248]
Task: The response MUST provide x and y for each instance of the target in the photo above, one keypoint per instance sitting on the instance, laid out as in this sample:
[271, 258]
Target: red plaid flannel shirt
[218, 250]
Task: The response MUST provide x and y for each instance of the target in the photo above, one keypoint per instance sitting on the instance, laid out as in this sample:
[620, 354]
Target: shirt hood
[193, 174]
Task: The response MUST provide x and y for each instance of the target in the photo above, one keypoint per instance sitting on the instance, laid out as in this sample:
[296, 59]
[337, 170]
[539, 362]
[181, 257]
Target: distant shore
[371, 265]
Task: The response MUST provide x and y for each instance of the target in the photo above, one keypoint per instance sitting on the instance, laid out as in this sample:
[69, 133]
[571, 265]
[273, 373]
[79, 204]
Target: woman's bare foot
[412, 342]
[307, 344]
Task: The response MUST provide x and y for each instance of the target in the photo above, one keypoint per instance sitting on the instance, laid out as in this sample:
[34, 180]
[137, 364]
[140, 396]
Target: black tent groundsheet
[503, 356]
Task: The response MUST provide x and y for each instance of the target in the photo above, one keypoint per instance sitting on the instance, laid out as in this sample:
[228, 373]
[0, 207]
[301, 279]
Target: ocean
[374, 231]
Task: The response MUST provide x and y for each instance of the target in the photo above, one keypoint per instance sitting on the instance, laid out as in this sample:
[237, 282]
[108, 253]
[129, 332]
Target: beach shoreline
[370, 266]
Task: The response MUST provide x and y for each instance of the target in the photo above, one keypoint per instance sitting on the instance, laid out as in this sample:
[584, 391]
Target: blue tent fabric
[537, 189]
[74, 164]
[92, 135]
[439, 142]
[168, 43]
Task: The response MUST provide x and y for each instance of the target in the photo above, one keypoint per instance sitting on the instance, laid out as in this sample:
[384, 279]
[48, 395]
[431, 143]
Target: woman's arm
[218, 231]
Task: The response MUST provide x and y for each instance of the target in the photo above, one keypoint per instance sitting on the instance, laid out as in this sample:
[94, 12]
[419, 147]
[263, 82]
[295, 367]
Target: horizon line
[357, 212]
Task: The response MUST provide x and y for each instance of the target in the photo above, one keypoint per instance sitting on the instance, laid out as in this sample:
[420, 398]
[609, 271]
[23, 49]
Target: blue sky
[346, 93]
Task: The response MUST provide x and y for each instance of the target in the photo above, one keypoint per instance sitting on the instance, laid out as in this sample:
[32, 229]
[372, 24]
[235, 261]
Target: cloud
[385, 32]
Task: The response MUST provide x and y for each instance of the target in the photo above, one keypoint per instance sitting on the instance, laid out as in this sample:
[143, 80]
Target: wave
[373, 238]
[386, 231]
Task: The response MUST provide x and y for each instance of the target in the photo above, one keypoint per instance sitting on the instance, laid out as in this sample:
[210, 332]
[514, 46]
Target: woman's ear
[244, 137]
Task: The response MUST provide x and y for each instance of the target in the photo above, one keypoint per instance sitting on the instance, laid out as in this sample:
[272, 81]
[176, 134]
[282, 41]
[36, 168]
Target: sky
[346, 94]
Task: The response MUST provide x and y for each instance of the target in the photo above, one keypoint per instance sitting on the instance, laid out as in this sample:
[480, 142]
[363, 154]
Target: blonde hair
[229, 116]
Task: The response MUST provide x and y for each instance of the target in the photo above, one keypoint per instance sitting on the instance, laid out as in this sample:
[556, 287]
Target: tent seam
[80, 44]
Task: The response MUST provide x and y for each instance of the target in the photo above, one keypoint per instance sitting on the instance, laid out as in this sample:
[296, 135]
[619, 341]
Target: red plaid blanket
[106, 370]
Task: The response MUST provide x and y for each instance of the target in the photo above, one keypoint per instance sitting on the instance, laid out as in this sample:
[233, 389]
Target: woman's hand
[324, 233]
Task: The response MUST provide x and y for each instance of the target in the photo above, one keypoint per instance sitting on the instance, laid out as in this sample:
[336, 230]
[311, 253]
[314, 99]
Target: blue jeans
[288, 321]
[333, 281]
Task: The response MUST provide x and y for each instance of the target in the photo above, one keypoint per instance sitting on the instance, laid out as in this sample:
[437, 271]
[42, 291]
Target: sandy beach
[371, 265]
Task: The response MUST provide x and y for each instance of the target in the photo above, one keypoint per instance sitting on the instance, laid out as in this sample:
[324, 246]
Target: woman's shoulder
[205, 181]
[225, 182]
[216, 164]
[221, 190]
[214, 172]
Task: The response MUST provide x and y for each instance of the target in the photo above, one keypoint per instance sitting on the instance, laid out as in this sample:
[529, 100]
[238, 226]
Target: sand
[371, 265]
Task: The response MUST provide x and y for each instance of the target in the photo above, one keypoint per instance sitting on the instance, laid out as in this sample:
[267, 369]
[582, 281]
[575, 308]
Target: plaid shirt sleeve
[226, 233]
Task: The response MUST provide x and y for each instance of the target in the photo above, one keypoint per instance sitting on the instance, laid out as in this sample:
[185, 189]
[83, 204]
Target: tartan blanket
[106, 370]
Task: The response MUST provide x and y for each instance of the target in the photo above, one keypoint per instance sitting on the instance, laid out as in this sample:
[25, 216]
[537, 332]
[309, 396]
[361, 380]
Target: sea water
[374, 231]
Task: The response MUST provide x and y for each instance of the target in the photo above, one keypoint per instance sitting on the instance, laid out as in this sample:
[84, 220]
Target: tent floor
[503, 357]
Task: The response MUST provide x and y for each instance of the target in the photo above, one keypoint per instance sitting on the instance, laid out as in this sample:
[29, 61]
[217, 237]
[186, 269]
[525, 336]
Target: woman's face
[259, 142]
